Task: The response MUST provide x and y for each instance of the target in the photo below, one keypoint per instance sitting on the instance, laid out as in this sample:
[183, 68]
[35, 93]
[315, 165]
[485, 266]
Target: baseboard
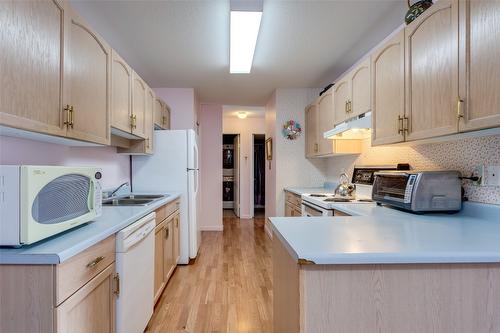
[246, 217]
[212, 228]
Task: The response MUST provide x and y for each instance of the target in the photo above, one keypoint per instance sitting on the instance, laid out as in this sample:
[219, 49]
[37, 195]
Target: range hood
[353, 129]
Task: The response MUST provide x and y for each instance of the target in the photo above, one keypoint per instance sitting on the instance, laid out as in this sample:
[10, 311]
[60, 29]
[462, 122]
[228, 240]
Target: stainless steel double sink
[133, 200]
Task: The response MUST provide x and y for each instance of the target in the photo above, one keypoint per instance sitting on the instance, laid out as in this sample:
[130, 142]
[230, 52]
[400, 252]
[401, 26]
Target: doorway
[231, 174]
[259, 162]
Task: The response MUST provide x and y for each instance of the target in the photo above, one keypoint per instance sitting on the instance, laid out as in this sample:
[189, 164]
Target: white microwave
[37, 202]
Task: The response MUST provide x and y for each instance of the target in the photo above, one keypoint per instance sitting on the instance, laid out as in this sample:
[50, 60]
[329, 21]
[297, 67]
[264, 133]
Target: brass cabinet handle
[163, 120]
[133, 121]
[316, 148]
[95, 262]
[400, 125]
[406, 126]
[117, 284]
[460, 113]
[147, 143]
[346, 108]
[69, 115]
[167, 231]
[350, 106]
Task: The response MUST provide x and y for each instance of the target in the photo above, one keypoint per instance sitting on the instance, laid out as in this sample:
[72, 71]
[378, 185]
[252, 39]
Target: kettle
[344, 189]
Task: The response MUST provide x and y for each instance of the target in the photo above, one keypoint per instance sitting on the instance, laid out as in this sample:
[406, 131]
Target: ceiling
[251, 111]
[186, 43]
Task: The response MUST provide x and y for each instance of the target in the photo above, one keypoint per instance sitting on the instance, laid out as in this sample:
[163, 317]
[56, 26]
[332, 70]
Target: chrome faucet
[117, 189]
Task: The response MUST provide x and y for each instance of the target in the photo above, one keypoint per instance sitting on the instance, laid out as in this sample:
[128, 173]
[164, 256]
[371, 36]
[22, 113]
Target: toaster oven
[419, 191]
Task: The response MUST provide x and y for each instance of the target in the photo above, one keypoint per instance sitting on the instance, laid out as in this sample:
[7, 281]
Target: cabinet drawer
[293, 199]
[78, 270]
[164, 211]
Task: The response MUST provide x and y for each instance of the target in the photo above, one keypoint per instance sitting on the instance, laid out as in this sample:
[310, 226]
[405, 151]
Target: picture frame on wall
[269, 149]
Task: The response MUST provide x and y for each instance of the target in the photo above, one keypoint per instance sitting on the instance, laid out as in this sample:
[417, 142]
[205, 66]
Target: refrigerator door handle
[196, 182]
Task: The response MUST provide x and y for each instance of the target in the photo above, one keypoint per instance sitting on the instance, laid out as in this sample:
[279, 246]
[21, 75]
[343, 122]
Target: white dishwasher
[135, 266]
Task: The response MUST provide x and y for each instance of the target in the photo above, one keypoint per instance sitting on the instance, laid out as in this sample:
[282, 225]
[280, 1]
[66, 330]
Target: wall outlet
[478, 172]
[492, 175]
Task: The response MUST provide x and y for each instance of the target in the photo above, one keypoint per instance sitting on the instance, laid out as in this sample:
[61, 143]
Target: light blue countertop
[61, 247]
[383, 235]
[328, 188]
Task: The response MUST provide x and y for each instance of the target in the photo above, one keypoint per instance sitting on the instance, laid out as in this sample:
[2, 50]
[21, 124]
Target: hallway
[227, 289]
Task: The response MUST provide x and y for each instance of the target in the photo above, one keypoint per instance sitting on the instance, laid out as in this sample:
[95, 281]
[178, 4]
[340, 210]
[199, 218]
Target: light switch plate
[492, 175]
[478, 172]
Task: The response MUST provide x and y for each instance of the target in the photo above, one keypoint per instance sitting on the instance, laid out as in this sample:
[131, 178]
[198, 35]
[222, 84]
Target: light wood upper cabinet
[311, 129]
[121, 93]
[388, 96]
[150, 110]
[139, 92]
[31, 43]
[326, 120]
[162, 115]
[91, 308]
[432, 71]
[360, 101]
[87, 81]
[341, 97]
[479, 64]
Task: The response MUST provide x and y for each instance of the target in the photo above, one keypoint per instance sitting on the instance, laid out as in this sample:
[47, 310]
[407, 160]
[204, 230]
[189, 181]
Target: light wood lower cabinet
[75, 296]
[410, 298]
[292, 204]
[166, 245]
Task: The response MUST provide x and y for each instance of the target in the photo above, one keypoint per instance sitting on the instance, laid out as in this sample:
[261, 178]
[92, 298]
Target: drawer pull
[95, 262]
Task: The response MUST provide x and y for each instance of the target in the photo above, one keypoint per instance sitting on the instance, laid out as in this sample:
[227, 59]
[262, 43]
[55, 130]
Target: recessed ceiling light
[244, 29]
[242, 114]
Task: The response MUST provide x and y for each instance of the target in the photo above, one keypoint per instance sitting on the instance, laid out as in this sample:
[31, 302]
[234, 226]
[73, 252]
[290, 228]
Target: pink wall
[115, 167]
[183, 106]
[246, 128]
[210, 118]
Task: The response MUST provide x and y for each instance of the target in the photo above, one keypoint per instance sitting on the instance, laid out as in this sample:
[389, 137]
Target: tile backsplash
[462, 155]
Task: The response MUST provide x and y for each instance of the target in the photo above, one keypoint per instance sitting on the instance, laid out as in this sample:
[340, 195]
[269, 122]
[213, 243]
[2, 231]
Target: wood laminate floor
[227, 289]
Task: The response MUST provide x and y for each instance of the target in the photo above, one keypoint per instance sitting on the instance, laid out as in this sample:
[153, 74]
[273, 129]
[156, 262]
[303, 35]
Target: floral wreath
[291, 130]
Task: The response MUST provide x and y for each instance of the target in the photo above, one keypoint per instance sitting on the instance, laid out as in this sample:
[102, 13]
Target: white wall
[246, 128]
[183, 106]
[210, 118]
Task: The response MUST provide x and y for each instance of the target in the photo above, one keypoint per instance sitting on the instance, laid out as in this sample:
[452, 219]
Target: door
[432, 72]
[340, 99]
[139, 95]
[479, 69]
[176, 249]
[150, 110]
[388, 100]
[326, 121]
[31, 40]
[288, 210]
[121, 96]
[360, 101]
[91, 308]
[159, 274]
[237, 175]
[87, 81]
[168, 247]
[311, 127]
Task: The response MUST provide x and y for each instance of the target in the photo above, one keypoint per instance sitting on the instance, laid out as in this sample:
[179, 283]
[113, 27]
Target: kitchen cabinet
[139, 96]
[479, 73]
[31, 70]
[432, 72]
[325, 121]
[61, 298]
[311, 130]
[162, 115]
[87, 97]
[167, 242]
[352, 93]
[293, 204]
[121, 93]
[388, 99]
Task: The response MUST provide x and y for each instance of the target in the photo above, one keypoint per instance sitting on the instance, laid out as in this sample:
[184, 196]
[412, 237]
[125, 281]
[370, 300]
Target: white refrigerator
[174, 168]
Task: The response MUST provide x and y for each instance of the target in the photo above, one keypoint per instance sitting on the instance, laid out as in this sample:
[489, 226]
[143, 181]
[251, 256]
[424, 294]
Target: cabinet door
[176, 250]
[121, 93]
[296, 212]
[150, 110]
[340, 99]
[479, 64]
[159, 275]
[288, 210]
[168, 248]
[325, 121]
[311, 127]
[167, 119]
[388, 96]
[31, 40]
[139, 95]
[87, 81]
[159, 113]
[360, 101]
[432, 72]
[91, 308]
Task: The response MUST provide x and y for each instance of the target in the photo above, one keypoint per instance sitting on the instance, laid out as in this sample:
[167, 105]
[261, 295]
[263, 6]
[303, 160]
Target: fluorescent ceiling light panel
[244, 31]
